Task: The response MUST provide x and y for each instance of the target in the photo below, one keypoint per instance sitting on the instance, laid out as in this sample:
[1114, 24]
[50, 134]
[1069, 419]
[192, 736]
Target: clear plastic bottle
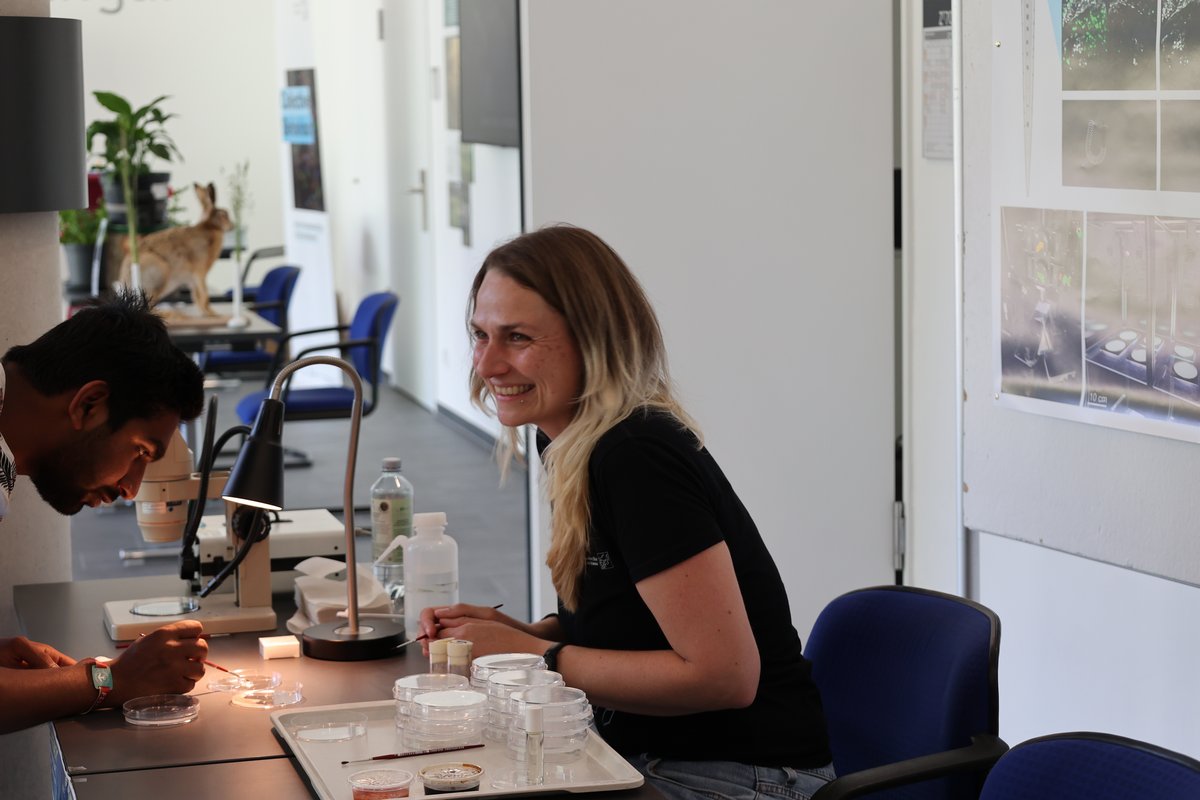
[391, 518]
[430, 567]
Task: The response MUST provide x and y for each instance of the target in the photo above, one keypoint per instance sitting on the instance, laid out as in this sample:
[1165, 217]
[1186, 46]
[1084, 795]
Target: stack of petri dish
[500, 687]
[408, 687]
[452, 718]
[483, 667]
[566, 717]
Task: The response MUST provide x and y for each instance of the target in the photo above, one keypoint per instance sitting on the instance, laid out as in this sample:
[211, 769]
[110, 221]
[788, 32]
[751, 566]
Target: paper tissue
[320, 595]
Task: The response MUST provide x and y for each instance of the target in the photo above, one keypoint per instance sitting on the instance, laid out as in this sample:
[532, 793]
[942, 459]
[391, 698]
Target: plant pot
[79, 266]
[152, 195]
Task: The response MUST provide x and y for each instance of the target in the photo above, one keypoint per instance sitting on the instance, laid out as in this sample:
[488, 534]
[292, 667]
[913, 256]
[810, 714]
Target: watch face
[101, 677]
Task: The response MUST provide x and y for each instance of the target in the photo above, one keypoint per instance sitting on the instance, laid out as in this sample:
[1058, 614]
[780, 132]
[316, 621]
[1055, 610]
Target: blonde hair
[624, 370]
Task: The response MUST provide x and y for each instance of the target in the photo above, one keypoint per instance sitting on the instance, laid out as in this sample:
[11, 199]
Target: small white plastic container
[483, 667]
[445, 719]
[410, 686]
[566, 717]
[501, 686]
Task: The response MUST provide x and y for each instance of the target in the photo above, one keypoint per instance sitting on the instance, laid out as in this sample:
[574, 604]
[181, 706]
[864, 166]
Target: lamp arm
[351, 457]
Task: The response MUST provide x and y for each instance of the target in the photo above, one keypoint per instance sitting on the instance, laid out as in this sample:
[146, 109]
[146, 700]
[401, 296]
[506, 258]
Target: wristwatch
[102, 680]
[551, 656]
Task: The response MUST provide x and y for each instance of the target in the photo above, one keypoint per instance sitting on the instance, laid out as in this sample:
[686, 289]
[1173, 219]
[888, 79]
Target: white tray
[599, 769]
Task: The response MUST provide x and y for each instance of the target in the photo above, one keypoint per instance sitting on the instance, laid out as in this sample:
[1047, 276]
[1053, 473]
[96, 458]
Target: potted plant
[131, 138]
[78, 230]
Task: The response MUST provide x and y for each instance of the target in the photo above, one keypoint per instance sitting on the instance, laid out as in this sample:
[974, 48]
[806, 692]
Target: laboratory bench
[226, 751]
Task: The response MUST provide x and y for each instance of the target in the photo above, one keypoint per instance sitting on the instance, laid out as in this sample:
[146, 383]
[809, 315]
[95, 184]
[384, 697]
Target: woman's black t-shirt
[657, 500]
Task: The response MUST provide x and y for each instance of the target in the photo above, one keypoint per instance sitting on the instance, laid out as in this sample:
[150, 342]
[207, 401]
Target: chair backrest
[905, 672]
[277, 286]
[275, 251]
[371, 321]
[1091, 766]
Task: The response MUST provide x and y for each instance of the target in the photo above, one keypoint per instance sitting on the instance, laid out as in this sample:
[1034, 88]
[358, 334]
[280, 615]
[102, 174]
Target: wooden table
[205, 335]
[227, 751]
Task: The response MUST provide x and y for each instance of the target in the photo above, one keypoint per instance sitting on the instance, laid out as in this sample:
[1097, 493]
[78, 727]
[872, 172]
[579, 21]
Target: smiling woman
[653, 556]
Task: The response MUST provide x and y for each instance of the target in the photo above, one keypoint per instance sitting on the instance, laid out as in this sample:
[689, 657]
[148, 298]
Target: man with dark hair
[83, 410]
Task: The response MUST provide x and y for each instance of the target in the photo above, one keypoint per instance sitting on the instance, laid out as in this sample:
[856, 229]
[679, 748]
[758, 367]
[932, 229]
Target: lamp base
[376, 638]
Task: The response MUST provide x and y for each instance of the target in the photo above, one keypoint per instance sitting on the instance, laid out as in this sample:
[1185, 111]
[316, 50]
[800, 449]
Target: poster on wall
[1096, 212]
[300, 130]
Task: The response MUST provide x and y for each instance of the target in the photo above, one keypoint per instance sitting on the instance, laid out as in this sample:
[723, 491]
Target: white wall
[349, 56]
[740, 161]
[216, 59]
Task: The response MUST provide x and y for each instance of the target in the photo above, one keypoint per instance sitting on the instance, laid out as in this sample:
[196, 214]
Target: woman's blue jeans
[728, 780]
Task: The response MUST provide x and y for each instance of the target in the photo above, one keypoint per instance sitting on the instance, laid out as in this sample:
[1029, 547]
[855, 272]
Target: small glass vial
[438, 656]
[534, 766]
[458, 657]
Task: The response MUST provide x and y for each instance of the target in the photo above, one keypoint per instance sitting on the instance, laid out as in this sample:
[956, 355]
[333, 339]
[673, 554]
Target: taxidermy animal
[182, 256]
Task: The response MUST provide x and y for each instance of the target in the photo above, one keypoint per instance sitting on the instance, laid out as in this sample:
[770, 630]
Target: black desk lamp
[257, 480]
[43, 158]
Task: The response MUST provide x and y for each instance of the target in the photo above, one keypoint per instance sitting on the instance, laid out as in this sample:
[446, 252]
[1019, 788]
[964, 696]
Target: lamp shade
[257, 476]
[43, 159]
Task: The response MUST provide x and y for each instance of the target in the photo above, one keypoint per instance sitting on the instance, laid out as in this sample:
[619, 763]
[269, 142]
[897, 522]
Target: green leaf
[114, 102]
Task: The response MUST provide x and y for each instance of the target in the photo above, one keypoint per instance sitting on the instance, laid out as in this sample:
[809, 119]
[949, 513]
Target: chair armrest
[307, 331]
[984, 750]
[266, 304]
[342, 345]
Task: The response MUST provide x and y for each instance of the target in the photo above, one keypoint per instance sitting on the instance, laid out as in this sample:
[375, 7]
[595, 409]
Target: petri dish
[454, 776]
[329, 726]
[161, 710]
[165, 606]
[242, 679]
[1185, 369]
[1115, 345]
[287, 693]
[380, 784]
[1185, 352]
[1128, 335]
[1139, 355]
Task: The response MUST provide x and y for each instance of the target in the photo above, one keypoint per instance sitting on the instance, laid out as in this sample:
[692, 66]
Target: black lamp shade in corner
[257, 475]
[43, 163]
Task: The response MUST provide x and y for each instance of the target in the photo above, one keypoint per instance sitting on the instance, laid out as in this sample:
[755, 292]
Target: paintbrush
[390, 756]
[217, 666]
[425, 636]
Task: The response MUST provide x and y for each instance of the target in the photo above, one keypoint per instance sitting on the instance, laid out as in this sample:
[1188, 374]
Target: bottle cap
[430, 519]
[437, 647]
[391, 463]
[533, 719]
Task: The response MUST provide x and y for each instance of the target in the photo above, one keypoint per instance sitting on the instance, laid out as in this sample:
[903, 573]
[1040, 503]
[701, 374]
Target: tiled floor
[451, 471]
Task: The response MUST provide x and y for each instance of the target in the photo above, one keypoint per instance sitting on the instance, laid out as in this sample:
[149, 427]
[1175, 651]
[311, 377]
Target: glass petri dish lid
[328, 726]
[287, 693]
[161, 710]
[242, 679]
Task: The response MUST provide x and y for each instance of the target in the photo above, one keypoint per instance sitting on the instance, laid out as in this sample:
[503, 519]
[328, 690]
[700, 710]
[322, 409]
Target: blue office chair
[274, 298]
[908, 681]
[1092, 766]
[250, 293]
[363, 348]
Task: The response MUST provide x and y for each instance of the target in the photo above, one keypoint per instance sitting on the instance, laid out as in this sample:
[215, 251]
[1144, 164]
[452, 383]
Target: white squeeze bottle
[430, 568]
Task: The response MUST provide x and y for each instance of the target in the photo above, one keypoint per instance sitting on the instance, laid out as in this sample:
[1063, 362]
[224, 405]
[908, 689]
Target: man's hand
[21, 653]
[166, 661]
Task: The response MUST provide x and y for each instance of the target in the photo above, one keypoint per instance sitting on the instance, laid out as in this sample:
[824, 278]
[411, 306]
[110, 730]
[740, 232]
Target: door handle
[421, 190]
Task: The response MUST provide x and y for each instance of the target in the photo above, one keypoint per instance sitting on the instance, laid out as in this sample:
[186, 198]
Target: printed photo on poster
[307, 188]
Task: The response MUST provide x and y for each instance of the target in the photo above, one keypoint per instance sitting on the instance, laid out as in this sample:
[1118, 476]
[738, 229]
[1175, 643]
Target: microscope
[162, 506]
